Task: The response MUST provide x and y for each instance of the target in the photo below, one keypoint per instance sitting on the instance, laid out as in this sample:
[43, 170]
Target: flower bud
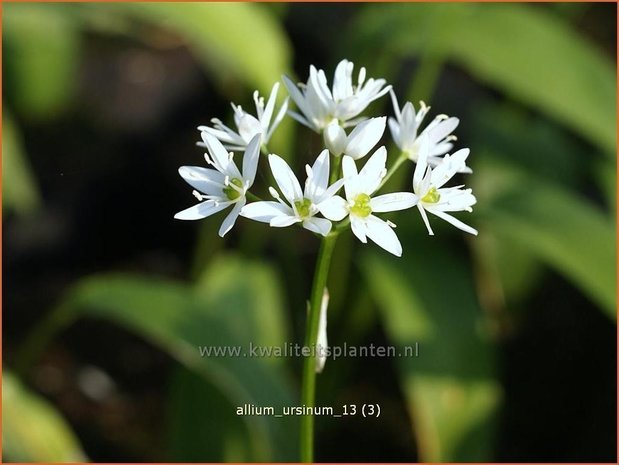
[365, 136]
[335, 138]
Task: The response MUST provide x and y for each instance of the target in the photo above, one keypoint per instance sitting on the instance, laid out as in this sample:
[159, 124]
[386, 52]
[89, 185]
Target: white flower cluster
[316, 205]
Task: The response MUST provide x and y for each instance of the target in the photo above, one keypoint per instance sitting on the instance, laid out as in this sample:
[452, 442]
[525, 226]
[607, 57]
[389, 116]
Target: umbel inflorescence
[340, 186]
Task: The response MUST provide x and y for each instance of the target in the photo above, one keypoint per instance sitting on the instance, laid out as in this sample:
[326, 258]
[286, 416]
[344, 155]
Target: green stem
[253, 197]
[308, 386]
[308, 383]
[335, 169]
[396, 165]
[426, 78]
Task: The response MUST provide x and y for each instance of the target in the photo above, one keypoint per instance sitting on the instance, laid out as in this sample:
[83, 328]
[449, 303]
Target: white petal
[453, 200]
[318, 96]
[248, 126]
[449, 166]
[342, 80]
[382, 234]
[293, 91]
[373, 172]
[424, 216]
[319, 180]
[322, 85]
[422, 163]
[365, 136]
[304, 121]
[396, 107]
[333, 208]
[408, 126]
[285, 178]
[265, 211]
[394, 127]
[226, 137]
[317, 225]
[443, 129]
[321, 340]
[437, 150]
[356, 103]
[466, 170]
[450, 219]
[351, 181]
[278, 119]
[335, 138]
[393, 202]
[358, 228]
[201, 210]
[351, 123]
[296, 95]
[250, 160]
[231, 218]
[218, 153]
[284, 220]
[206, 180]
[270, 106]
[331, 191]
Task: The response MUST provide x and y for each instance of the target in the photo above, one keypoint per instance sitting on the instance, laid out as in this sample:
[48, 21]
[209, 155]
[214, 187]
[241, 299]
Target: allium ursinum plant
[349, 136]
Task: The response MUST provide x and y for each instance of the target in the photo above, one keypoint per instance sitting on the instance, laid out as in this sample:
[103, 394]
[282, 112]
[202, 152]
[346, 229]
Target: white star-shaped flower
[428, 185]
[247, 126]
[300, 206]
[360, 205]
[359, 142]
[319, 105]
[405, 131]
[223, 186]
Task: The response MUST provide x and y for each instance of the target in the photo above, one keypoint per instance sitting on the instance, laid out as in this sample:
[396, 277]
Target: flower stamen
[303, 207]
[233, 189]
[361, 206]
[432, 196]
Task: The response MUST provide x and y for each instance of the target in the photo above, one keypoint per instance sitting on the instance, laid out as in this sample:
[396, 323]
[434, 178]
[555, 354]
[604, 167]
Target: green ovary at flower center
[230, 191]
[303, 207]
[432, 196]
[361, 206]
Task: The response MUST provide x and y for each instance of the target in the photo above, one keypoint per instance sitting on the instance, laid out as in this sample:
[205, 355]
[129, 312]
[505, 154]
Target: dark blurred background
[517, 326]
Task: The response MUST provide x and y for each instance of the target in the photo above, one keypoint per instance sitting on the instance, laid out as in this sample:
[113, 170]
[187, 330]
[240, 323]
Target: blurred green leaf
[261, 321]
[218, 436]
[559, 227]
[241, 42]
[572, 11]
[539, 59]
[179, 319]
[19, 190]
[32, 429]
[606, 173]
[550, 67]
[447, 411]
[278, 9]
[239, 38]
[503, 156]
[428, 297]
[548, 150]
[41, 51]
[259, 314]
[530, 54]
[506, 272]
